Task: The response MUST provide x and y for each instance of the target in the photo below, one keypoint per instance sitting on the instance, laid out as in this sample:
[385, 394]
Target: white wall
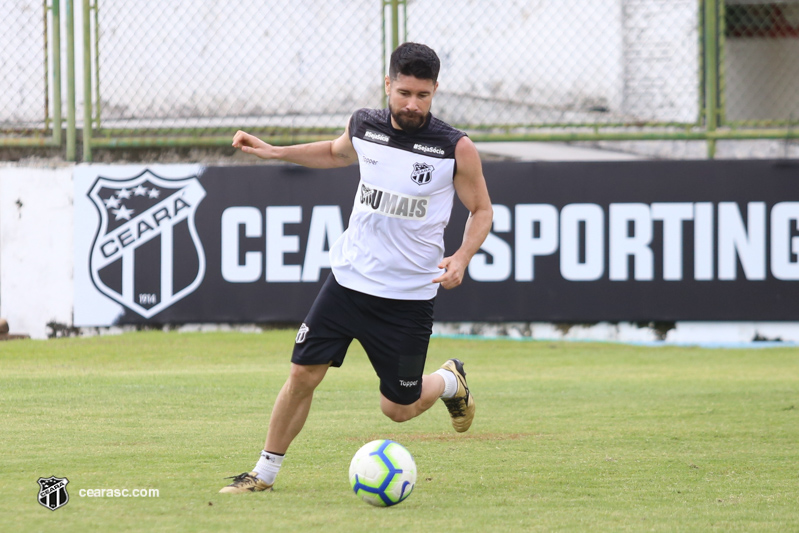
[661, 60]
[727, 334]
[36, 247]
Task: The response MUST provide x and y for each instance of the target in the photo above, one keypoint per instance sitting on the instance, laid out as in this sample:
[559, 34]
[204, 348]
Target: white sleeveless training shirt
[395, 238]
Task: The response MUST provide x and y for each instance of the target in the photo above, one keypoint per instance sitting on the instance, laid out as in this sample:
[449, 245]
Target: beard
[409, 122]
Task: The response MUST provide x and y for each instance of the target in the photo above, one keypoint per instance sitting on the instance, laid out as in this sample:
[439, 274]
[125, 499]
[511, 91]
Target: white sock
[450, 382]
[267, 467]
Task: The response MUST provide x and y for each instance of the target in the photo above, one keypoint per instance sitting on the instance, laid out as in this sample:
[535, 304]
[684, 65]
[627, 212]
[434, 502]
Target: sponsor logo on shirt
[392, 204]
[381, 138]
[428, 149]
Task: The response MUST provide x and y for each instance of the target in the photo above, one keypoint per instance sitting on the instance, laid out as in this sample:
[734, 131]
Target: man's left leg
[447, 383]
[432, 389]
[395, 335]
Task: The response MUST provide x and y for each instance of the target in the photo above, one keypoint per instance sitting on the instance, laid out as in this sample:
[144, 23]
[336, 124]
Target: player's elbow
[484, 213]
[341, 160]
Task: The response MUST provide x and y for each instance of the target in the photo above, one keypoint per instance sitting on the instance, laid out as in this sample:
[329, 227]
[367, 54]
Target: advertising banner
[570, 242]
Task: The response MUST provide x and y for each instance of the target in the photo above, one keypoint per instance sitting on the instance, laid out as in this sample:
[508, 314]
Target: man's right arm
[323, 154]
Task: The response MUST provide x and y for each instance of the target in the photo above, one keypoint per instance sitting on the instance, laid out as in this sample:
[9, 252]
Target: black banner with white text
[571, 242]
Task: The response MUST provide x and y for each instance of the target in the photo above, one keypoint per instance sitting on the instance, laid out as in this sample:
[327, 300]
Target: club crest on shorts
[303, 331]
[146, 253]
[422, 173]
[53, 492]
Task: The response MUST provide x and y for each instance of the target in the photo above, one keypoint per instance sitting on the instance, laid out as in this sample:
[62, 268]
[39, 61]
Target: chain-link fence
[565, 63]
[29, 34]
[202, 69]
[191, 73]
[760, 69]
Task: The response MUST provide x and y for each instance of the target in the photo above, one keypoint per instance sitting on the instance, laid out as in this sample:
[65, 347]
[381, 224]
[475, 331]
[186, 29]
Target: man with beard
[388, 264]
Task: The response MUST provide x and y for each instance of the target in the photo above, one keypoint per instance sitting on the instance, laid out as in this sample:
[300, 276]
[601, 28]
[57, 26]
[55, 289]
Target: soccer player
[388, 264]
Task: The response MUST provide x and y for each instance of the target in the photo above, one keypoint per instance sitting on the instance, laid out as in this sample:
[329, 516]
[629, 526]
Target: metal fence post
[87, 83]
[711, 27]
[71, 134]
[97, 107]
[396, 32]
[394, 24]
[56, 10]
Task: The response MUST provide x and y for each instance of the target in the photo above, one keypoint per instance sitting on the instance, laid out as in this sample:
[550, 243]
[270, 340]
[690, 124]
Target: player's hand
[251, 144]
[455, 267]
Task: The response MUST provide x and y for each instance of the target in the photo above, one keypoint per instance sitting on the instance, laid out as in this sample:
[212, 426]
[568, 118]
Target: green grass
[568, 437]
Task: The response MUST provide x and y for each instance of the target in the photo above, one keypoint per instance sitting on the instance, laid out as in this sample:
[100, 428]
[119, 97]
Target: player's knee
[398, 416]
[398, 413]
[304, 379]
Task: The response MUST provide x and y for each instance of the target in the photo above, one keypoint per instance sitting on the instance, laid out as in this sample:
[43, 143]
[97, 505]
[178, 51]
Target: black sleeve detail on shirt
[355, 122]
[438, 138]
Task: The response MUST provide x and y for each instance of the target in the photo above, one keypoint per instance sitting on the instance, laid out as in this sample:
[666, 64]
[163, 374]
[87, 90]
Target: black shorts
[394, 333]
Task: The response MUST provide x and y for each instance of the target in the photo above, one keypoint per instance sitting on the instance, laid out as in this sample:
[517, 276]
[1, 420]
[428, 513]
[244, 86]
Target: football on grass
[382, 473]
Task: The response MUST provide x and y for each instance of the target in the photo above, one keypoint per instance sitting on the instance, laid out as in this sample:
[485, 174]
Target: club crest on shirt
[422, 173]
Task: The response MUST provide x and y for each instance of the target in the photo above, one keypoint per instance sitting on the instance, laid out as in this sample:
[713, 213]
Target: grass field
[568, 437]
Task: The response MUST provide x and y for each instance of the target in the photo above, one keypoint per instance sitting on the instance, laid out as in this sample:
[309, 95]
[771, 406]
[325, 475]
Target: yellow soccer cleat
[246, 482]
[461, 407]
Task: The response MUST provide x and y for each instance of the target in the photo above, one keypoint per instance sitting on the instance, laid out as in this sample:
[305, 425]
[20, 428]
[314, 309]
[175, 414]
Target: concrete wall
[36, 247]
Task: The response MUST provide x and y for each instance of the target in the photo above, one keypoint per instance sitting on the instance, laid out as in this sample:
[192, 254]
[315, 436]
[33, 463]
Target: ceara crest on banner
[147, 254]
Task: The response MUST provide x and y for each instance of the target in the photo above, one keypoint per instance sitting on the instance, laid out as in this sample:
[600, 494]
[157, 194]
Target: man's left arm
[470, 184]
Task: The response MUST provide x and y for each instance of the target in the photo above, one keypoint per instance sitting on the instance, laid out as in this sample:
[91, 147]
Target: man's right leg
[292, 406]
[321, 342]
[288, 418]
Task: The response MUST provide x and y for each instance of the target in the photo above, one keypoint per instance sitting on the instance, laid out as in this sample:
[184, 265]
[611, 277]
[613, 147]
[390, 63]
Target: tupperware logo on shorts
[146, 234]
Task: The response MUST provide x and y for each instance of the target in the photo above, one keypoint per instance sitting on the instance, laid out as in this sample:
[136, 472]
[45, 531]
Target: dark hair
[414, 59]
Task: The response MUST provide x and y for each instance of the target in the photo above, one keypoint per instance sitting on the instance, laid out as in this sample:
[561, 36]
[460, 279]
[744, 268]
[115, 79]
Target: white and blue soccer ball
[383, 473]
